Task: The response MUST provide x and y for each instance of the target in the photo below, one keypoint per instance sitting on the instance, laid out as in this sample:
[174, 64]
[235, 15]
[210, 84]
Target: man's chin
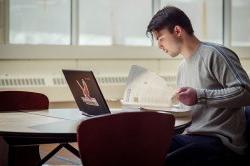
[173, 54]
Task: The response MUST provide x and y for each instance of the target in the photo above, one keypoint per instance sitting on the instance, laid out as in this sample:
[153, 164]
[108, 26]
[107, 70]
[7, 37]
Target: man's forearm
[228, 97]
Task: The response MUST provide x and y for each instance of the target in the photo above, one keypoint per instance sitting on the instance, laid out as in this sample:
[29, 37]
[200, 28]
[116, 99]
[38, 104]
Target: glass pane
[205, 15]
[107, 22]
[240, 23]
[95, 22]
[40, 21]
[131, 19]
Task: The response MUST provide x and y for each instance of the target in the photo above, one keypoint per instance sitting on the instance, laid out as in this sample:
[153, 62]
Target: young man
[212, 83]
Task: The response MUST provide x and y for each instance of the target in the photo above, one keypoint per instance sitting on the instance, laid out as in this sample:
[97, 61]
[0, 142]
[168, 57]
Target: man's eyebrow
[159, 37]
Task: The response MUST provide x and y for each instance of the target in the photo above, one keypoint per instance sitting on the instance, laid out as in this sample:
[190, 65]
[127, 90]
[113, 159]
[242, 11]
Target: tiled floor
[63, 157]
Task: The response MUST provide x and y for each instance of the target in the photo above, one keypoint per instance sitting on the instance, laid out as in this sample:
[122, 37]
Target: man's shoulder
[211, 48]
[217, 51]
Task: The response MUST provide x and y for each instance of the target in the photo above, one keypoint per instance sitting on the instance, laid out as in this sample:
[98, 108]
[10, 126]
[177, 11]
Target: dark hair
[169, 17]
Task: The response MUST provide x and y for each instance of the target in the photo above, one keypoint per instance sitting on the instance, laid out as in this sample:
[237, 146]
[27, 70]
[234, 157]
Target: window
[205, 15]
[119, 22]
[240, 23]
[39, 22]
[107, 22]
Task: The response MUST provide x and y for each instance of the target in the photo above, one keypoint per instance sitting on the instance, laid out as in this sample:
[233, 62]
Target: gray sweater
[223, 89]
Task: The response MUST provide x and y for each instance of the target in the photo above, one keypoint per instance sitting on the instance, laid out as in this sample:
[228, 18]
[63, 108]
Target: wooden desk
[46, 126]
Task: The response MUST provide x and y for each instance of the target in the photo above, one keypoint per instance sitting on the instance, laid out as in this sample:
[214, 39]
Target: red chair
[13, 153]
[125, 139]
[21, 100]
[23, 149]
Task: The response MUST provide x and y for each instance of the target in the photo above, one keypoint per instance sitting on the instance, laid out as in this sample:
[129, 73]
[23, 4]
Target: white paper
[145, 88]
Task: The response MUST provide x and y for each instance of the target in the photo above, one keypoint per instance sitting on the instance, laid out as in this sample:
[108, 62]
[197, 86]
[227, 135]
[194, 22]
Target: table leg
[16, 155]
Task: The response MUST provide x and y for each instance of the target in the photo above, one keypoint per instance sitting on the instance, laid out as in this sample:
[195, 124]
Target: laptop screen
[86, 92]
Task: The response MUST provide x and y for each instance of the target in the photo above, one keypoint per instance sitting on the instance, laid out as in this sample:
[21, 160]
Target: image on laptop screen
[86, 92]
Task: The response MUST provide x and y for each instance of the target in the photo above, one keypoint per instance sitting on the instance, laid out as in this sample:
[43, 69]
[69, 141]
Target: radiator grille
[22, 82]
[8, 81]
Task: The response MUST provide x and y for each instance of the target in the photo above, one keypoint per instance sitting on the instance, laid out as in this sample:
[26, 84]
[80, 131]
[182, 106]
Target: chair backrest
[125, 139]
[247, 113]
[22, 100]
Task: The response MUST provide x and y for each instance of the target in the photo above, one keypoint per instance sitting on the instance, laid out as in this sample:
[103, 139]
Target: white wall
[17, 62]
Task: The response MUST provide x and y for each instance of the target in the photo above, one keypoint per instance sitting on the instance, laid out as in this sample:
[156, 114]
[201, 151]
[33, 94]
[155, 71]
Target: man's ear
[178, 31]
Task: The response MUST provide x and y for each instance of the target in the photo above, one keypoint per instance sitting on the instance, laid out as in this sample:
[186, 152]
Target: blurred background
[39, 38]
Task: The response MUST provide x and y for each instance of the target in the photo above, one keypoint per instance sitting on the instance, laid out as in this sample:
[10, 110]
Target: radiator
[57, 90]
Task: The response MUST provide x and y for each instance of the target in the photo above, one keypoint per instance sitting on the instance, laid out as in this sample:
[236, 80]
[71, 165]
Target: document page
[146, 88]
[149, 91]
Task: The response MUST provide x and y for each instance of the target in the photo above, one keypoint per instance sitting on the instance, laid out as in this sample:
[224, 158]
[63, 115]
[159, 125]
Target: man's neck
[189, 46]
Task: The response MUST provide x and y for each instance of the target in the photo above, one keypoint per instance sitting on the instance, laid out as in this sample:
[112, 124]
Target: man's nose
[160, 45]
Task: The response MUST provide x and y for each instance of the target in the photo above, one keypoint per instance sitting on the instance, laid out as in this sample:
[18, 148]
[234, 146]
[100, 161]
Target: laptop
[86, 92]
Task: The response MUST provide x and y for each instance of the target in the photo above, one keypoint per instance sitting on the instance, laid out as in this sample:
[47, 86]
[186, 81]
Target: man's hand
[187, 96]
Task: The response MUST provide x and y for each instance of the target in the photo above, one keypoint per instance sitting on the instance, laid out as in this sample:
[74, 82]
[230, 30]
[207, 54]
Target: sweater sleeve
[224, 66]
